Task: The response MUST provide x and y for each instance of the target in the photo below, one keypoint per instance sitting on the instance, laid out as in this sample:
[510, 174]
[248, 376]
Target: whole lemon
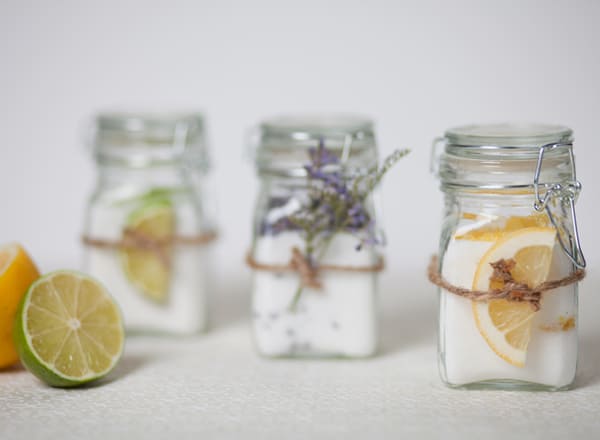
[17, 272]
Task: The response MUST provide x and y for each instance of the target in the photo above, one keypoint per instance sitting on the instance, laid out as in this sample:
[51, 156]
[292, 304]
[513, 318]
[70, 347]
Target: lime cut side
[149, 269]
[69, 331]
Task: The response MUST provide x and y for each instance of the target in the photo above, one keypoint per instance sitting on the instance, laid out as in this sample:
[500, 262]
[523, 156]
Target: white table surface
[215, 386]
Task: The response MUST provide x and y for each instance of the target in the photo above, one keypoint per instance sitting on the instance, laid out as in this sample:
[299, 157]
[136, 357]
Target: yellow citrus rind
[506, 325]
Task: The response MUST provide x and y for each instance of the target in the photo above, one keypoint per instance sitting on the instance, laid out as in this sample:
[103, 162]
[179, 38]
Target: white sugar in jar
[149, 224]
[340, 319]
[333, 313]
[509, 224]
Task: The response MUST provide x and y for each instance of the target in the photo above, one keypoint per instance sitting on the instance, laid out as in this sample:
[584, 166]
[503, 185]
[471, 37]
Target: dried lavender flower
[337, 203]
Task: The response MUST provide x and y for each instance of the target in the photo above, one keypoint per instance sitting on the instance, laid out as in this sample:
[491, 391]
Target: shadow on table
[406, 323]
[133, 362]
[229, 302]
[129, 364]
[12, 368]
[589, 360]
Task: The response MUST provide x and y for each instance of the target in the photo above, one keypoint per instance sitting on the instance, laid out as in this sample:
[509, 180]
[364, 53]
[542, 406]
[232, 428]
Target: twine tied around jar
[511, 290]
[135, 240]
[308, 271]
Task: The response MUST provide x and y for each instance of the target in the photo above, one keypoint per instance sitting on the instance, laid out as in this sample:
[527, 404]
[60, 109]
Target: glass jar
[148, 223]
[315, 271]
[509, 225]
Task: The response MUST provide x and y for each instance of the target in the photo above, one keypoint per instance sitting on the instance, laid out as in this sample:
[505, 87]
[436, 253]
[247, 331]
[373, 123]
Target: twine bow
[308, 272]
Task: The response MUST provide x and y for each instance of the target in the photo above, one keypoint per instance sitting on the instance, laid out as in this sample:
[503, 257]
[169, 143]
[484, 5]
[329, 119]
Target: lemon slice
[506, 325]
[17, 272]
[68, 330]
[495, 229]
[149, 269]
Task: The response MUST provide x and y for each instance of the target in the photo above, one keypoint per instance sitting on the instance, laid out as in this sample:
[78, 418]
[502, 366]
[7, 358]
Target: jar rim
[301, 126]
[518, 137]
[284, 141]
[145, 138]
[132, 121]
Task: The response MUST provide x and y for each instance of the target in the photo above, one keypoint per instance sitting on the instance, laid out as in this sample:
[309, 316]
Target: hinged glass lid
[283, 143]
[143, 139]
[507, 159]
[520, 138]
[502, 156]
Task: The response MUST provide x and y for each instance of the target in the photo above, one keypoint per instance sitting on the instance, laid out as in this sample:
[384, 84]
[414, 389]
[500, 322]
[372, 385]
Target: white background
[415, 67]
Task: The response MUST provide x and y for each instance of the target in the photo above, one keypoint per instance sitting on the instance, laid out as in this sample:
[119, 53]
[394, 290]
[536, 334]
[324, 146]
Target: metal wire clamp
[558, 199]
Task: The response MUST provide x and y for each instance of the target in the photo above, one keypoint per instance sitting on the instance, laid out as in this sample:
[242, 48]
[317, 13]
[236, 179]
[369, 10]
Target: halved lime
[69, 330]
[149, 268]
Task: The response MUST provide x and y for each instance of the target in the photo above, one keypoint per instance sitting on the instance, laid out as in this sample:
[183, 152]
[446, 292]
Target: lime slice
[68, 330]
[149, 269]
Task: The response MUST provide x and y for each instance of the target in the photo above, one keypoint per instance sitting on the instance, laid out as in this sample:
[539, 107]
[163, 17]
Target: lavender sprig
[336, 203]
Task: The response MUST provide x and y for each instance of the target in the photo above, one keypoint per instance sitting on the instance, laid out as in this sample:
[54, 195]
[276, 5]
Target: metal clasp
[180, 136]
[434, 156]
[561, 197]
[346, 148]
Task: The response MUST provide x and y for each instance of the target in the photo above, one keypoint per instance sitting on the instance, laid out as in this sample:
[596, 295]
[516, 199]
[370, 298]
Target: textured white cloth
[215, 386]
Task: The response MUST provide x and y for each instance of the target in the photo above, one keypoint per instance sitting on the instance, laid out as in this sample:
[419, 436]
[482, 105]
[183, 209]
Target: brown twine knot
[307, 271]
[138, 241]
[511, 290]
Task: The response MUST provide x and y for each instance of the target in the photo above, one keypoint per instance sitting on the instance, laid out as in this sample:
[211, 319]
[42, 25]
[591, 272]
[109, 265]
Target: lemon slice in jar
[148, 268]
[506, 325]
[496, 228]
